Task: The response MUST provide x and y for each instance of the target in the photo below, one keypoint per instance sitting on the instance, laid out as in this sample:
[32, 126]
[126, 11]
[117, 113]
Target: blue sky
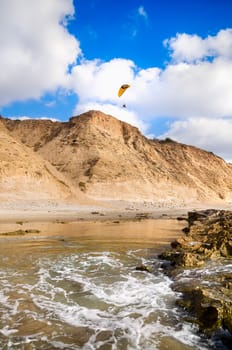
[63, 57]
[138, 28]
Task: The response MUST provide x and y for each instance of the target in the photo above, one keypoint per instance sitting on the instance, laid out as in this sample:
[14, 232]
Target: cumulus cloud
[210, 134]
[199, 89]
[99, 81]
[189, 48]
[36, 48]
[185, 90]
[191, 85]
[202, 88]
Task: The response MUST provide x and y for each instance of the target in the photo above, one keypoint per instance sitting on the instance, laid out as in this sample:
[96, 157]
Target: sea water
[82, 291]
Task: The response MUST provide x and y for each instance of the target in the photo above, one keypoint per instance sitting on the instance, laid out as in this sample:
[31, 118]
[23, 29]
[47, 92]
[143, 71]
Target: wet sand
[53, 218]
[130, 222]
[151, 231]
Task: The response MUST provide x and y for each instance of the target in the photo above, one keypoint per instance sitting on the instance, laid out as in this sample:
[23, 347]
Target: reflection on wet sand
[145, 232]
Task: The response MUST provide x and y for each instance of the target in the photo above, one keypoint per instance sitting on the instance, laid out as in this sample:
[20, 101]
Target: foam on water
[99, 294]
[138, 304]
[205, 275]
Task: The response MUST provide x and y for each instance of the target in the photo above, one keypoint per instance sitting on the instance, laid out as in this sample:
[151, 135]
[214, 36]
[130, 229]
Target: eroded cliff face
[106, 158]
[26, 176]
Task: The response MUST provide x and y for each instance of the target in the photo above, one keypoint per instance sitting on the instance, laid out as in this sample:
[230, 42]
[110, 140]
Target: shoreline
[61, 227]
[11, 216]
[25, 221]
[121, 210]
[116, 224]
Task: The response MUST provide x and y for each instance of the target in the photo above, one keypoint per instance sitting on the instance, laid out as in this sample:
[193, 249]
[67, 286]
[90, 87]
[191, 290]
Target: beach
[68, 278]
[125, 221]
[109, 210]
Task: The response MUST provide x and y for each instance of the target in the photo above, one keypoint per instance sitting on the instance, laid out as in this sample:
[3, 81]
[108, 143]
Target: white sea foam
[135, 304]
[100, 291]
[203, 274]
[6, 331]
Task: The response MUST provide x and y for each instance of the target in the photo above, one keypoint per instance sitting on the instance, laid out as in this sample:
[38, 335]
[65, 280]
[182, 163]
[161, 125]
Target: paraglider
[122, 89]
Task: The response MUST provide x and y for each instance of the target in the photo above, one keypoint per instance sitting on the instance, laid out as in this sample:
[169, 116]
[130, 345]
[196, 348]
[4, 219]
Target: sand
[131, 227]
[108, 210]
[31, 214]
[73, 212]
[135, 224]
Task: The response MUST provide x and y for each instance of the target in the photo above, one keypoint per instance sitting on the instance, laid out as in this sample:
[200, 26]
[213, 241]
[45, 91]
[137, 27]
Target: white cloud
[185, 90]
[190, 85]
[24, 117]
[136, 20]
[201, 88]
[100, 81]
[189, 48]
[142, 12]
[209, 134]
[36, 48]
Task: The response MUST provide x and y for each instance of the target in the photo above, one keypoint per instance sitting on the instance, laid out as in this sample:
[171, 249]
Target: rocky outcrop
[208, 235]
[200, 264]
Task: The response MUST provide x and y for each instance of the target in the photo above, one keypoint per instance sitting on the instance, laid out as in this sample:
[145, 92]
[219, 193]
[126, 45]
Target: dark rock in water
[208, 298]
[210, 305]
[143, 268]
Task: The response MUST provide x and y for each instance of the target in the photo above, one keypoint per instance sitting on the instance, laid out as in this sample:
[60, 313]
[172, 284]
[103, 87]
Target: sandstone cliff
[109, 159]
[25, 176]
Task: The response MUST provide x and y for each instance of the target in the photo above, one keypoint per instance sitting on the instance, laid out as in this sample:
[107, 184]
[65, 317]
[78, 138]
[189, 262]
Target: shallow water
[74, 286]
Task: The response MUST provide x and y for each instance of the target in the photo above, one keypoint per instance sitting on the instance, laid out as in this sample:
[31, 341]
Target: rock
[209, 310]
[207, 297]
[208, 235]
[143, 268]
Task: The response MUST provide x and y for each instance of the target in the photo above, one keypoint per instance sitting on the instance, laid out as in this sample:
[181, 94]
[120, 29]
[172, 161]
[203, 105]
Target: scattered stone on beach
[142, 216]
[208, 239]
[19, 232]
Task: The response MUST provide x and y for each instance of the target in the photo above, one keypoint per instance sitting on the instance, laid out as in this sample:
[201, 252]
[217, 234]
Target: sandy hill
[109, 159]
[26, 176]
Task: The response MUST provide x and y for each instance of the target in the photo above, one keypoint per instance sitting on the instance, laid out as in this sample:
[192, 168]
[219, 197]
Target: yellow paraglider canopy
[122, 89]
